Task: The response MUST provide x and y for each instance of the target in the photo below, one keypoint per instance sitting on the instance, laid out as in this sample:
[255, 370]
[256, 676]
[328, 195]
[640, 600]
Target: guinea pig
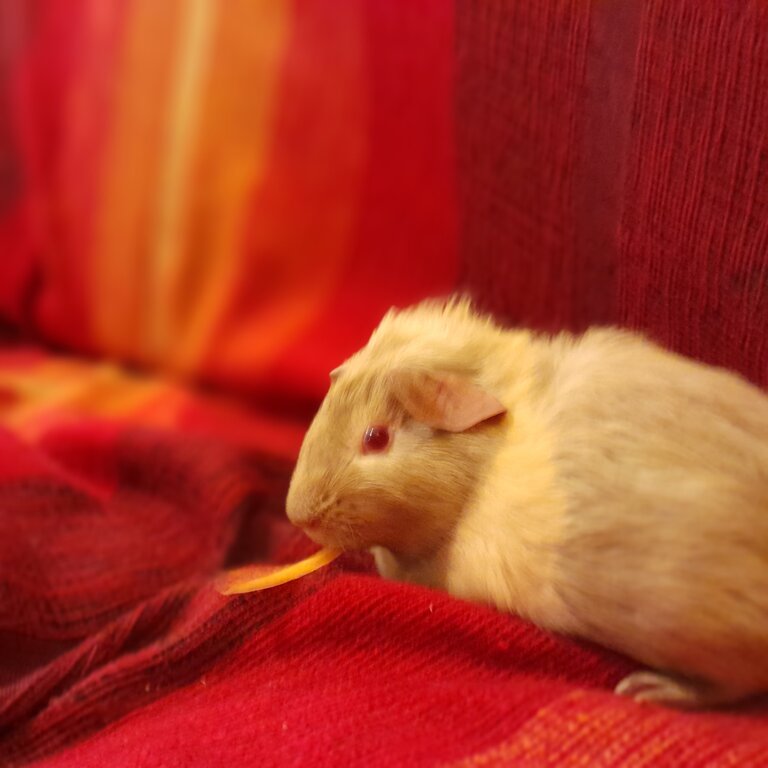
[596, 485]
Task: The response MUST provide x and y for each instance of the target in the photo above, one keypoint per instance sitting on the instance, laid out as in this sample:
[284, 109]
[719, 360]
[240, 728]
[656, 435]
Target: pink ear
[444, 400]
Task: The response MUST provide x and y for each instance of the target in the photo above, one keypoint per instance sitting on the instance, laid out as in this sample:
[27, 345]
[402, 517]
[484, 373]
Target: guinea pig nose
[303, 516]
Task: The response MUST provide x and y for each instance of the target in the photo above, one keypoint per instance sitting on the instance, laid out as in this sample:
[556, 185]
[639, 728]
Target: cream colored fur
[623, 498]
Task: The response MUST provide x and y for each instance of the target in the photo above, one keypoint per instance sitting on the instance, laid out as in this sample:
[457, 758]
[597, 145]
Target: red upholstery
[566, 162]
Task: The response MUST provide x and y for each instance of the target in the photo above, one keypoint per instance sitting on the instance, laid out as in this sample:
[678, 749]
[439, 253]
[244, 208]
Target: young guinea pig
[596, 485]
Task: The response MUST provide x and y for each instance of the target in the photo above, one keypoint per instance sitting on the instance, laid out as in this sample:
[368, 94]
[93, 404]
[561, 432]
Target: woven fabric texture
[204, 207]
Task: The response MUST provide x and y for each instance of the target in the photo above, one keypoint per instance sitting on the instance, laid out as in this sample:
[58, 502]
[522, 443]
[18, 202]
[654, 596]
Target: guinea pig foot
[678, 692]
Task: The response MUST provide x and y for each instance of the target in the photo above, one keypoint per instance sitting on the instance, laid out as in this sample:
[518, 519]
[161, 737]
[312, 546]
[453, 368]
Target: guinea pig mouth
[334, 536]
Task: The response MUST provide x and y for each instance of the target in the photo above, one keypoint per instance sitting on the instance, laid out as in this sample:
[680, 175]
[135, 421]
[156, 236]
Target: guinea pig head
[392, 458]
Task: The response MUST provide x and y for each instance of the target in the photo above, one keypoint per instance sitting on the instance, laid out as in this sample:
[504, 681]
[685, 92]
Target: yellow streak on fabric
[236, 134]
[193, 54]
[120, 254]
[587, 728]
[304, 229]
[63, 390]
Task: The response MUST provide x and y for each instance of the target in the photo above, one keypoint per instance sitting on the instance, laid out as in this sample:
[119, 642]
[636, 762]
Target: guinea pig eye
[375, 439]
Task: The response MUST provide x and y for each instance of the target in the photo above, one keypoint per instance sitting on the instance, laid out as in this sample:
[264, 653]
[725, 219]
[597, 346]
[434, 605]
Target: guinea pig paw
[657, 688]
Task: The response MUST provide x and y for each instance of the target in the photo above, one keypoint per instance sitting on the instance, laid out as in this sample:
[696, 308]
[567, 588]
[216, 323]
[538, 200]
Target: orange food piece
[255, 577]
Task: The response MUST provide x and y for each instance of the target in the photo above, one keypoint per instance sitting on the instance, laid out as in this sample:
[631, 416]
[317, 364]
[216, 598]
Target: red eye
[375, 439]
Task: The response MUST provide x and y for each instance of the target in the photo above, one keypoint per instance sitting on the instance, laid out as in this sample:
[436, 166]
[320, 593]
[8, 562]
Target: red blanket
[228, 195]
[110, 630]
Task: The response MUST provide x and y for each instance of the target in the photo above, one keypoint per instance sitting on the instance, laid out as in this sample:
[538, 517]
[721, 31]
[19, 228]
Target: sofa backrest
[236, 191]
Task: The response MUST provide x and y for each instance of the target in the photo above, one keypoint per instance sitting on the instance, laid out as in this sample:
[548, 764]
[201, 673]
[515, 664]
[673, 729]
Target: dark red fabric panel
[694, 236]
[18, 268]
[105, 537]
[600, 170]
[521, 75]
[613, 168]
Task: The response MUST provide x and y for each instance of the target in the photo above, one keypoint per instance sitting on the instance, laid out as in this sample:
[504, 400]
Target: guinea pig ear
[336, 372]
[444, 400]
